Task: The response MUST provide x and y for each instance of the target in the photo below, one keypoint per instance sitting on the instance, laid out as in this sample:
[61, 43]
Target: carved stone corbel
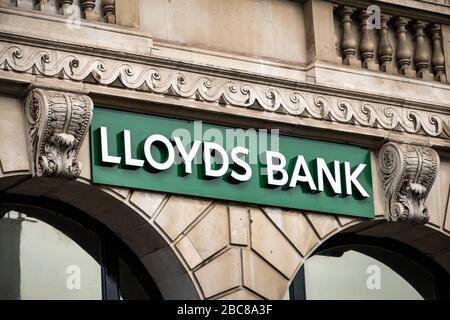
[58, 122]
[408, 173]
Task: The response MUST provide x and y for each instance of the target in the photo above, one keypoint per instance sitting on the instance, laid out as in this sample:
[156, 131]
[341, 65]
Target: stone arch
[199, 248]
[126, 213]
[430, 241]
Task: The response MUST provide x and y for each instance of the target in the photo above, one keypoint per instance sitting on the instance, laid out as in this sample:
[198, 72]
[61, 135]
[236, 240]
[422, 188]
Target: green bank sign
[246, 165]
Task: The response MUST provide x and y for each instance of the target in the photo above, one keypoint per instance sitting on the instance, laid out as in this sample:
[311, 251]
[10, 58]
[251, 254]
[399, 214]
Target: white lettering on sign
[240, 163]
[300, 165]
[188, 157]
[159, 139]
[129, 161]
[334, 179]
[351, 179]
[217, 162]
[276, 168]
[223, 162]
[106, 158]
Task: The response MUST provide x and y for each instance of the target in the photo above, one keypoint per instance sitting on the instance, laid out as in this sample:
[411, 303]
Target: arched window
[358, 267]
[49, 250]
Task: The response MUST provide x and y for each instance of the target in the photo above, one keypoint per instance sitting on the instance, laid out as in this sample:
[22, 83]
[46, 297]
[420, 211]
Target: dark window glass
[368, 272]
[45, 254]
[130, 287]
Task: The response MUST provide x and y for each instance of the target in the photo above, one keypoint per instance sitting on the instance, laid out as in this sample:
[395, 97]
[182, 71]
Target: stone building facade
[314, 69]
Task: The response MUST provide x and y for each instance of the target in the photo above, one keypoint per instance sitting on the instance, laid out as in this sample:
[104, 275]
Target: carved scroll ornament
[408, 173]
[224, 91]
[58, 122]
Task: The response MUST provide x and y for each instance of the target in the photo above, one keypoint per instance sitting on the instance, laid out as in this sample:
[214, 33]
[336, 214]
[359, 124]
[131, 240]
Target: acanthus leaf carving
[58, 123]
[408, 173]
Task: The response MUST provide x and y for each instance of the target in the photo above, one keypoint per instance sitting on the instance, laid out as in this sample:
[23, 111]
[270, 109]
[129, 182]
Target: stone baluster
[366, 46]
[403, 51]
[348, 43]
[385, 47]
[421, 55]
[437, 59]
[25, 4]
[65, 7]
[47, 6]
[88, 7]
[109, 10]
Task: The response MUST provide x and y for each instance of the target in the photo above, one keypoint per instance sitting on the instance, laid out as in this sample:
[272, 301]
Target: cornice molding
[310, 102]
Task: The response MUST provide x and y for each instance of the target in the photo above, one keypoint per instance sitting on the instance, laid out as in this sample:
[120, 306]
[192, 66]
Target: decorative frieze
[408, 173]
[58, 123]
[313, 104]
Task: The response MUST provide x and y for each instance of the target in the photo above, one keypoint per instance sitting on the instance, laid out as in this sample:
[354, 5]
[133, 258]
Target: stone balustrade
[93, 10]
[399, 45]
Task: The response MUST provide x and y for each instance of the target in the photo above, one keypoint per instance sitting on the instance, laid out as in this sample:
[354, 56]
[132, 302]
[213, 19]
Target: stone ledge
[402, 89]
[34, 26]
[304, 102]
